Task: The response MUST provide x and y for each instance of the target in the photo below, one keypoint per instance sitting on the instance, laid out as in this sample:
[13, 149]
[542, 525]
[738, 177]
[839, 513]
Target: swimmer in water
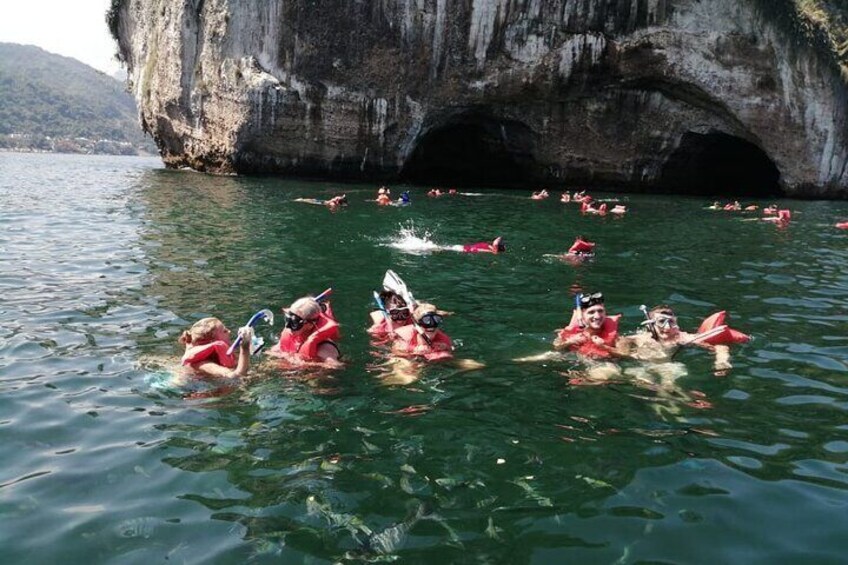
[399, 315]
[663, 339]
[541, 195]
[206, 350]
[310, 334]
[497, 246]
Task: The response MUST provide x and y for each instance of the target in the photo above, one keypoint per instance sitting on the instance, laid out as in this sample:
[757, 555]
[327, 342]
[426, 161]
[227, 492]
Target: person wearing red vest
[310, 333]
[424, 338]
[497, 246]
[665, 338]
[399, 316]
[206, 345]
[591, 333]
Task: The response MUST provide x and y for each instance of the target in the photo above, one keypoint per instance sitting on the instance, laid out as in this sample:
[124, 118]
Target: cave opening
[719, 164]
[473, 150]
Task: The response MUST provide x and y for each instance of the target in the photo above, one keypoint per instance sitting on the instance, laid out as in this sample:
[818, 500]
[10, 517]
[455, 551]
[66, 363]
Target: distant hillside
[54, 103]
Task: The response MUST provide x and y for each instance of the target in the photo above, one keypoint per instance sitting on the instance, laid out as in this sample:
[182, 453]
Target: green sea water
[105, 260]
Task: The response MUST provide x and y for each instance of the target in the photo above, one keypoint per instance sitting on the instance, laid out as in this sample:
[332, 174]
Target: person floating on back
[497, 246]
[206, 350]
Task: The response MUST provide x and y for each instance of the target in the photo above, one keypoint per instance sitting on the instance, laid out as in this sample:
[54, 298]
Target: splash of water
[414, 240]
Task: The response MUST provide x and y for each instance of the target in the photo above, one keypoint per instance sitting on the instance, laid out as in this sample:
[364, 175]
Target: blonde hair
[422, 309]
[307, 308]
[201, 332]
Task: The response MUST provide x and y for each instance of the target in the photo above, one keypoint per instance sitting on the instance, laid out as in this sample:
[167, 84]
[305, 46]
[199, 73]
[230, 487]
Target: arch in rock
[473, 148]
[716, 163]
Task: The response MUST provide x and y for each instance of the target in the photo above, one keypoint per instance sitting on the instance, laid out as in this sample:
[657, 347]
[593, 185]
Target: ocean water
[105, 260]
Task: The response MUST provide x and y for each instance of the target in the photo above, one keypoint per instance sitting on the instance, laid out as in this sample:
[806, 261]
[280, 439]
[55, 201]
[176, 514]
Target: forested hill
[54, 103]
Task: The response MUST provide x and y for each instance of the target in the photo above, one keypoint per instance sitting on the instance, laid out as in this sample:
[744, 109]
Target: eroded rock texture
[695, 96]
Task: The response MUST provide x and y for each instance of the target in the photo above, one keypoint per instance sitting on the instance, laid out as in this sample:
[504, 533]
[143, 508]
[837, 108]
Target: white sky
[73, 28]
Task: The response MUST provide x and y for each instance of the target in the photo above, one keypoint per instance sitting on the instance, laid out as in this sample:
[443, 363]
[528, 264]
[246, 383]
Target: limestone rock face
[694, 96]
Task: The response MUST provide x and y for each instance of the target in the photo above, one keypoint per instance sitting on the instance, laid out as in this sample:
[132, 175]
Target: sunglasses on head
[430, 321]
[293, 321]
[587, 300]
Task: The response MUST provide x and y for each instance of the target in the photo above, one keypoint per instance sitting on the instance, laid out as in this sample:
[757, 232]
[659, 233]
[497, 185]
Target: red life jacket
[408, 341]
[729, 335]
[581, 246]
[608, 333]
[842, 225]
[381, 328]
[326, 330]
[784, 215]
[481, 246]
[215, 352]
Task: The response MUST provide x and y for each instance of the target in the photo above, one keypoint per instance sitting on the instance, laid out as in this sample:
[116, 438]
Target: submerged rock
[718, 96]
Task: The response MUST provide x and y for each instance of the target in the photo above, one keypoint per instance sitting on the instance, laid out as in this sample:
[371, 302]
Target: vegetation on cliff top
[43, 95]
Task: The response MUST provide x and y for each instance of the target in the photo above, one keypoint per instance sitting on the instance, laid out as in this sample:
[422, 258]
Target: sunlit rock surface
[698, 96]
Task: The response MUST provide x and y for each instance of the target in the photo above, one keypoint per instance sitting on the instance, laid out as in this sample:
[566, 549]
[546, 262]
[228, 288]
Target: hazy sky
[74, 28]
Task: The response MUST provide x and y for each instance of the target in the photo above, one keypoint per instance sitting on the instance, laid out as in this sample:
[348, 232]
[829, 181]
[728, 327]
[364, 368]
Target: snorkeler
[582, 248]
[393, 315]
[782, 218]
[540, 195]
[423, 338]
[591, 333]
[404, 199]
[207, 345]
[497, 246]
[332, 203]
[310, 334]
[663, 339]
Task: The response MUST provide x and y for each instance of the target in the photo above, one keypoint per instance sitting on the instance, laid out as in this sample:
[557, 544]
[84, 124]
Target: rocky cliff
[698, 96]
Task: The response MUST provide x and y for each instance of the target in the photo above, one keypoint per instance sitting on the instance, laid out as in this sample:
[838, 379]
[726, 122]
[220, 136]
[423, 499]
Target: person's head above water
[205, 331]
[302, 310]
[593, 310]
[498, 245]
[427, 316]
[664, 321]
[395, 306]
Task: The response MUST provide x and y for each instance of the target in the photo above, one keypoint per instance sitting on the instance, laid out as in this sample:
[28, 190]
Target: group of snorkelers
[412, 329]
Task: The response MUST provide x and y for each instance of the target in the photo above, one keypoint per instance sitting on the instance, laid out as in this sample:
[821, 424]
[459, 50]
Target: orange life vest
[479, 247]
[326, 330]
[842, 225]
[215, 352]
[608, 333]
[581, 246]
[729, 335]
[381, 328]
[408, 341]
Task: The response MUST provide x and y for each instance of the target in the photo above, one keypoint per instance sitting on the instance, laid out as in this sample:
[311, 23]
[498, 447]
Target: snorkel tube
[649, 322]
[264, 314]
[382, 308]
[392, 282]
[578, 298]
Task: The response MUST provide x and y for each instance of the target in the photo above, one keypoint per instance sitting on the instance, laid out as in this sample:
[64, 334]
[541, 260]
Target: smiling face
[594, 316]
[665, 323]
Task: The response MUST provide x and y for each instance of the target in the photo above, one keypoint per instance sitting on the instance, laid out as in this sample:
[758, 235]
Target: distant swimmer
[384, 197]
[434, 193]
[770, 210]
[404, 199]
[423, 338]
[334, 202]
[207, 345]
[540, 195]
[565, 197]
[782, 218]
[587, 208]
[842, 225]
[619, 210]
[452, 192]
[663, 338]
[751, 208]
[733, 206]
[497, 246]
[715, 206]
[310, 335]
[582, 247]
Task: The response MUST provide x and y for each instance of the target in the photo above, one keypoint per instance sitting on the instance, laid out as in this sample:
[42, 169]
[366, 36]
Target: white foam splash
[413, 240]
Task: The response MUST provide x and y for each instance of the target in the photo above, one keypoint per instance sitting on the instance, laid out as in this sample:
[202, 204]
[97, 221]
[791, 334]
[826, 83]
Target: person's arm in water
[213, 369]
[722, 355]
